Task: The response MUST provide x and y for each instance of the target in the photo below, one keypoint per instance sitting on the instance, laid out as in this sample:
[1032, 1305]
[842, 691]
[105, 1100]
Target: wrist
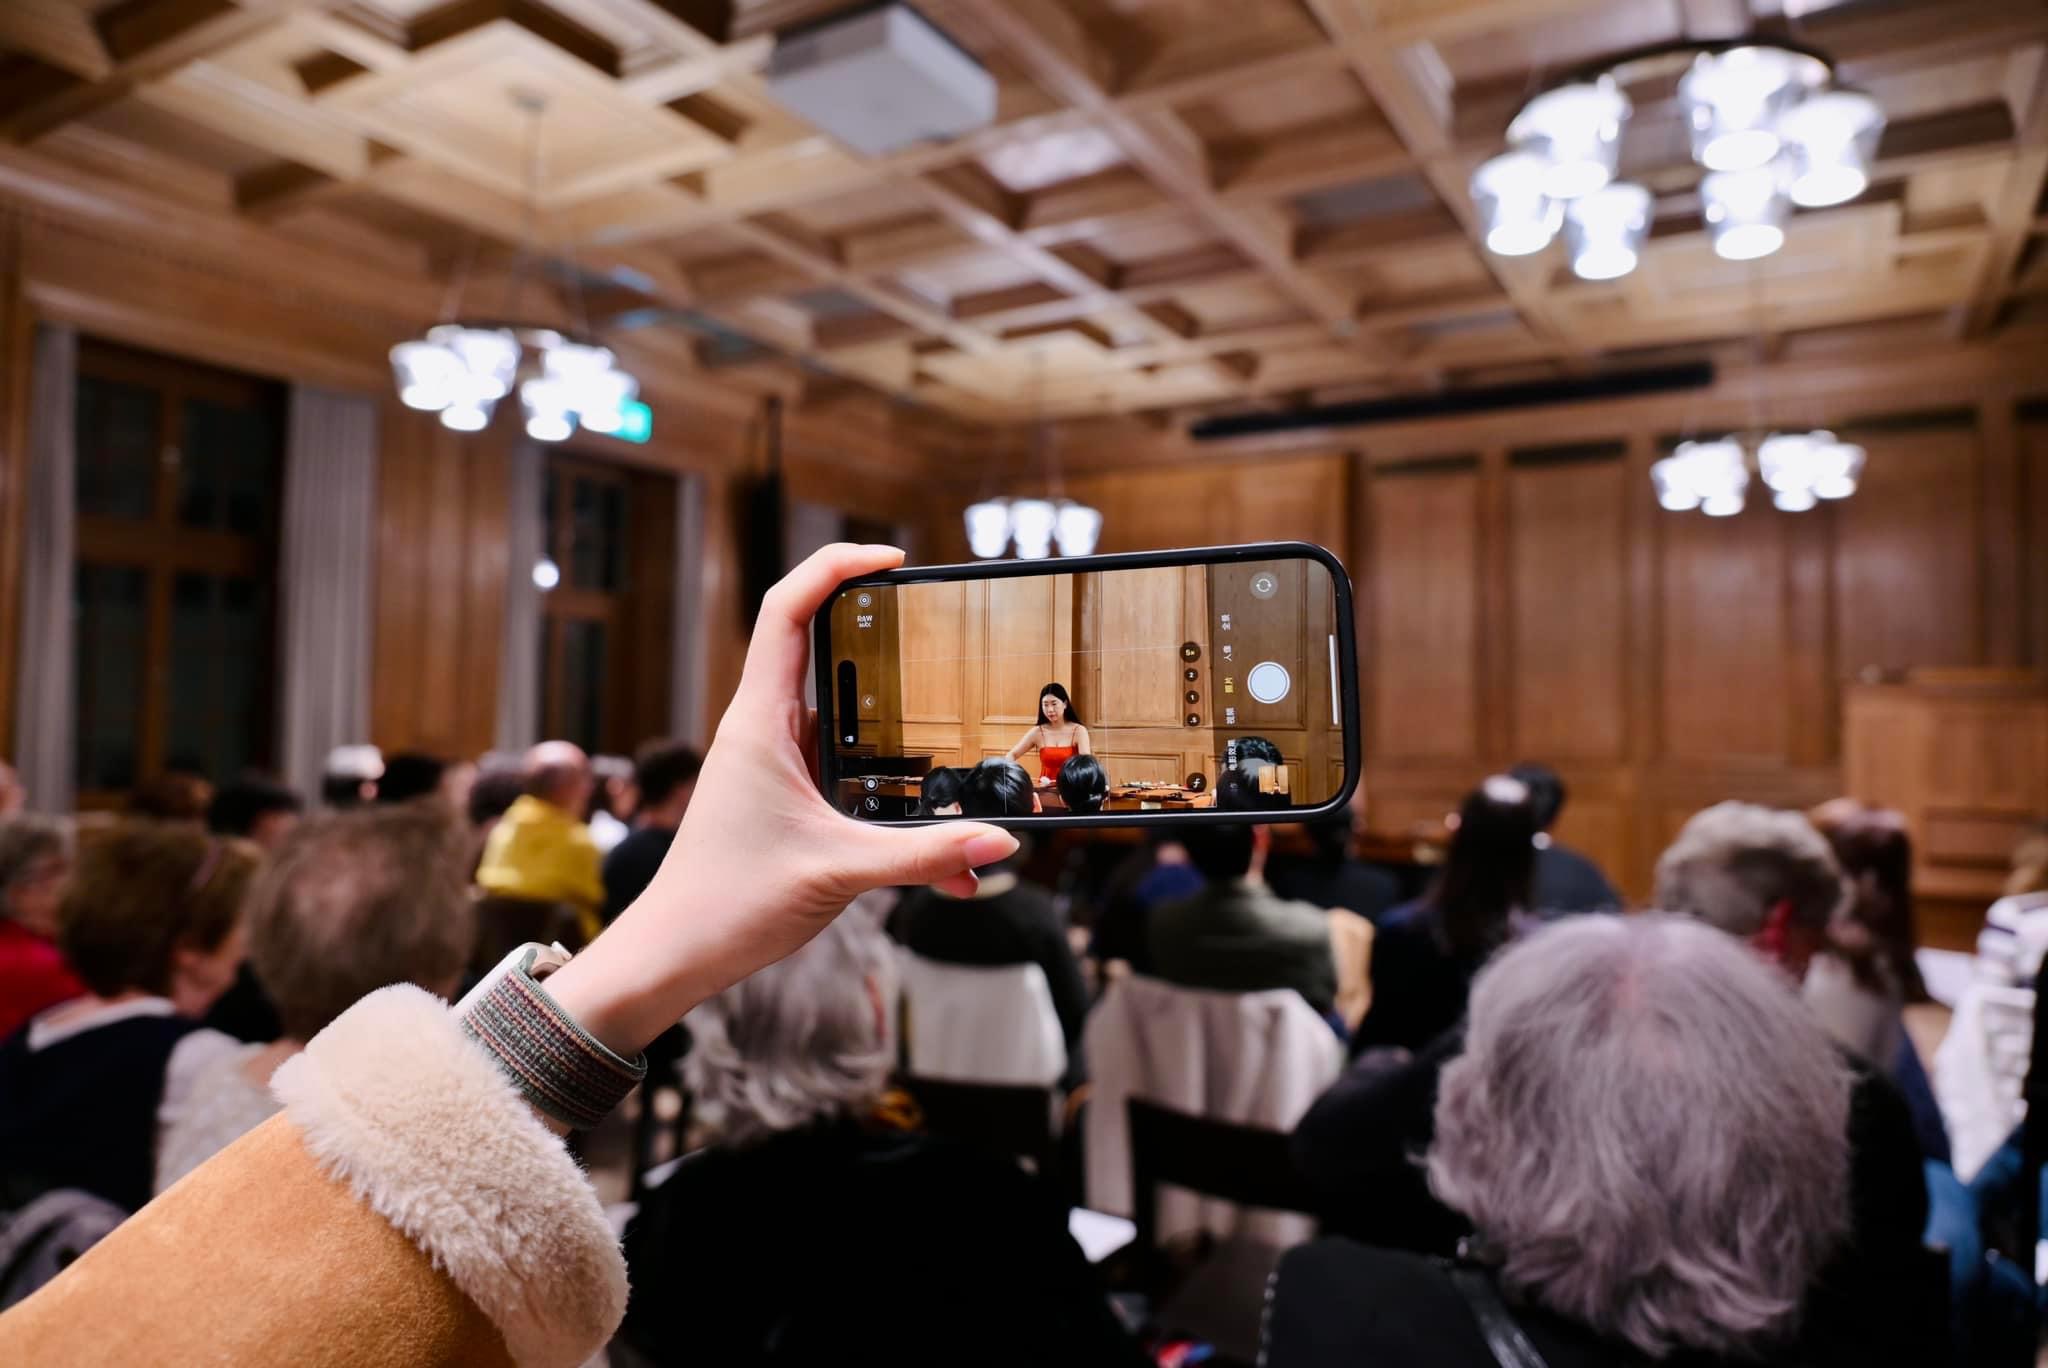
[625, 989]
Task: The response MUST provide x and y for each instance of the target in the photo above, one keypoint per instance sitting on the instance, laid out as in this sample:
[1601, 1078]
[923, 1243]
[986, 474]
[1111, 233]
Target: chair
[980, 1024]
[664, 1060]
[1009, 1121]
[1252, 1059]
[1223, 1298]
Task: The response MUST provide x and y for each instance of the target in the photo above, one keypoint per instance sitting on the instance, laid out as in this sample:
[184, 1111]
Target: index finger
[781, 649]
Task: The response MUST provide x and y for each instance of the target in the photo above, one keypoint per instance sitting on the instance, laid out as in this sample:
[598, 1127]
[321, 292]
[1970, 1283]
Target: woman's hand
[762, 862]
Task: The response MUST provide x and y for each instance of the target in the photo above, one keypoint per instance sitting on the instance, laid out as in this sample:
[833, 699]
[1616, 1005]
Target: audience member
[492, 796]
[416, 1207]
[151, 923]
[1427, 951]
[1645, 1131]
[173, 796]
[2029, 864]
[613, 801]
[541, 851]
[1236, 934]
[1083, 784]
[255, 808]
[1331, 876]
[1156, 871]
[410, 775]
[1565, 881]
[264, 812]
[666, 778]
[1006, 920]
[998, 788]
[13, 795]
[1876, 936]
[354, 901]
[351, 775]
[838, 1236]
[1859, 984]
[939, 794]
[1768, 878]
[35, 860]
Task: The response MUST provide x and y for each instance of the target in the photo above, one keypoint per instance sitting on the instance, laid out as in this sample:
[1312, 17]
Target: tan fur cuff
[394, 1100]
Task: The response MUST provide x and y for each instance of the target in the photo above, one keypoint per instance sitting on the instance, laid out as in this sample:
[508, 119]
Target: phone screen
[1167, 688]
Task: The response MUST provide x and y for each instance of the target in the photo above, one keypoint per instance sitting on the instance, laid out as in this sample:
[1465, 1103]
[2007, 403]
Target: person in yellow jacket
[411, 1208]
[541, 850]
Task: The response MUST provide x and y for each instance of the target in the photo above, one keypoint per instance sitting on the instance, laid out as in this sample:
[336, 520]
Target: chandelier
[1034, 525]
[461, 369]
[1766, 124]
[1799, 468]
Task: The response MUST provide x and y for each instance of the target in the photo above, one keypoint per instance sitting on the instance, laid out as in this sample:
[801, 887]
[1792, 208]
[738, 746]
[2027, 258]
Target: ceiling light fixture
[1034, 525]
[462, 369]
[1799, 468]
[1604, 231]
[1763, 121]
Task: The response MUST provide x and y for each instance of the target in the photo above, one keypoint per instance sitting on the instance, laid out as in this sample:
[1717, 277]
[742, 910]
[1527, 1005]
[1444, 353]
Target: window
[178, 487]
[583, 516]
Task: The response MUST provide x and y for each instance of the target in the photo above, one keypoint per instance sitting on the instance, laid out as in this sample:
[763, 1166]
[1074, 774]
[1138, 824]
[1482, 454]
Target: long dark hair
[1059, 691]
[1487, 873]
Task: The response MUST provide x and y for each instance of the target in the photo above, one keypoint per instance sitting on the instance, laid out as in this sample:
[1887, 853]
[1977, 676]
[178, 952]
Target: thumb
[944, 855]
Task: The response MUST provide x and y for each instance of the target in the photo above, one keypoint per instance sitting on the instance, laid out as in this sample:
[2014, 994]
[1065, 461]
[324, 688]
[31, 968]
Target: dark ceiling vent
[1454, 403]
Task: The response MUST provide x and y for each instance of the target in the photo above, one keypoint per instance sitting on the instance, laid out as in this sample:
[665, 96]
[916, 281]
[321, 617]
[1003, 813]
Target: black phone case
[1347, 672]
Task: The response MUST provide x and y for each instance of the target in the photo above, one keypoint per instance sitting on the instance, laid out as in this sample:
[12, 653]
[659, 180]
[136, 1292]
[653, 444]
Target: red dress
[1050, 758]
[33, 975]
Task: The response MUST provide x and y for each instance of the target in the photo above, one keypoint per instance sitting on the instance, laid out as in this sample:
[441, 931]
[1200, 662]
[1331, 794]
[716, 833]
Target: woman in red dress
[1058, 737]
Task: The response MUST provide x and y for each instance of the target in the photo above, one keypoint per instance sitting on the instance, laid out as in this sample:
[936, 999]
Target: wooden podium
[1964, 754]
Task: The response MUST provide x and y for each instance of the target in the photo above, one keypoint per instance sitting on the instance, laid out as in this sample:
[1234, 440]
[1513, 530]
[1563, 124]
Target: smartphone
[1209, 685]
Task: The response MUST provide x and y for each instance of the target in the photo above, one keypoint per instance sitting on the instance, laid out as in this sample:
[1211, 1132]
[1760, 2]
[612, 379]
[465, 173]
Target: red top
[33, 976]
[1050, 758]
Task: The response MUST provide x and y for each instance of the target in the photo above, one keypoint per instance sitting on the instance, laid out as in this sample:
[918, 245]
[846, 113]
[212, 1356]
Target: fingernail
[989, 847]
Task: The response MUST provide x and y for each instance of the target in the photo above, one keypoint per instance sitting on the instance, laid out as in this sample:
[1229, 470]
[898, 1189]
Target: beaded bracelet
[564, 1071]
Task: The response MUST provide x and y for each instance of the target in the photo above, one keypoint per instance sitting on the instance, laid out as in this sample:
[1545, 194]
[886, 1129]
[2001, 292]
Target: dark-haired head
[1546, 791]
[1227, 851]
[664, 773]
[252, 806]
[939, 796]
[409, 775]
[1487, 871]
[494, 791]
[1066, 709]
[1083, 784]
[996, 788]
[173, 796]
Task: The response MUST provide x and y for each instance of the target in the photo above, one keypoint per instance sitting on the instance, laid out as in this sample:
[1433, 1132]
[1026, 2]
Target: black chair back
[1242, 1164]
[1002, 1119]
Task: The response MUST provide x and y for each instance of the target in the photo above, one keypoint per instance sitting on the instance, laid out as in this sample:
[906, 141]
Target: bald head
[558, 772]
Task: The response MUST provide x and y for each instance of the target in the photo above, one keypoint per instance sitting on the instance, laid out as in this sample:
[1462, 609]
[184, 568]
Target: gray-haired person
[1646, 1132]
[1768, 878]
[817, 1228]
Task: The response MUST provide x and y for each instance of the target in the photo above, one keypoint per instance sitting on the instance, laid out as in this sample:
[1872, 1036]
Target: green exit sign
[636, 422]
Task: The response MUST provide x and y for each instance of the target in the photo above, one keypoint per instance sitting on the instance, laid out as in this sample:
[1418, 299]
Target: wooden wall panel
[1025, 645]
[1568, 611]
[1425, 585]
[443, 505]
[1907, 551]
[1141, 627]
[1723, 642]
[932, 620]
[2032, 474]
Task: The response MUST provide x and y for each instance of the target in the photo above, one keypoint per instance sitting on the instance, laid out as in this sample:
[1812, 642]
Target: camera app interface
[1168, 689]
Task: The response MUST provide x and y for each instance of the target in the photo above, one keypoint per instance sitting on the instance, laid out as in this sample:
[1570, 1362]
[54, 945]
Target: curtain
[686, 675]
[43, 719]
[327, 578]
[806, 527]
[519, 652]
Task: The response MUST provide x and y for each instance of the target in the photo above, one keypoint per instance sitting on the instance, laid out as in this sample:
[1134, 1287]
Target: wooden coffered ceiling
[1184, 205]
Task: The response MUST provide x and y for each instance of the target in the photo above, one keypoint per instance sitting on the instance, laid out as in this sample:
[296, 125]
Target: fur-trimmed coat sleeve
[407, 1209]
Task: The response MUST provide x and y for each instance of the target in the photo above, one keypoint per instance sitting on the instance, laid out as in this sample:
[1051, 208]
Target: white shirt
[220, 1107]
